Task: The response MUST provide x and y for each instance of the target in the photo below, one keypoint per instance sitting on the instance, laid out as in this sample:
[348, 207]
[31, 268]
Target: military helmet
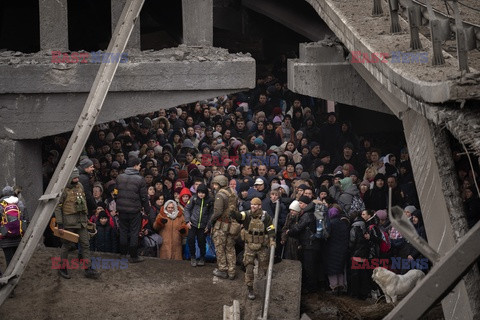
[221, 180]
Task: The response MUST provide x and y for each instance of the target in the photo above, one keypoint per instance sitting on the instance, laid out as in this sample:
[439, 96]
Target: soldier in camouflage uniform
[71, 215]
[258, 233]
[225, 229]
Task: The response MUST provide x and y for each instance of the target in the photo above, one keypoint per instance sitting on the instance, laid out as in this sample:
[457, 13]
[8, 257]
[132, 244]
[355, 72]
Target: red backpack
[385, 244]
[11, 223]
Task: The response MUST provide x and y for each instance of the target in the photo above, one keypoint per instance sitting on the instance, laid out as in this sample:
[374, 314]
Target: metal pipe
[270, 266]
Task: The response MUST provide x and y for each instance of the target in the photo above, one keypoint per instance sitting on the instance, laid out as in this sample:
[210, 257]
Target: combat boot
[64, 273]
[201, 262]
[91, 273]
[251, 294]
[220, 274]
[193, 262]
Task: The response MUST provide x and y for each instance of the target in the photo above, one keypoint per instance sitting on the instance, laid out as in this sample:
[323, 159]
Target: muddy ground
[153, 289]
[160, 289]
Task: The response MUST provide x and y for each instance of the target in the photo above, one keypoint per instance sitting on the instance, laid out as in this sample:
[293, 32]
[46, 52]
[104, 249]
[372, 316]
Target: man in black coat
[132, 197]
[86, 169]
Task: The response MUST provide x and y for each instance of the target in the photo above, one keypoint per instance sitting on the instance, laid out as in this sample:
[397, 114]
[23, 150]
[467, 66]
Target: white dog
[394, 285]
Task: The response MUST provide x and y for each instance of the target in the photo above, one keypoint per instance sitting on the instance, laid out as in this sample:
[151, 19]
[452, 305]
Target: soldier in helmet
[225, 229]
[71, 215]
[258, 233]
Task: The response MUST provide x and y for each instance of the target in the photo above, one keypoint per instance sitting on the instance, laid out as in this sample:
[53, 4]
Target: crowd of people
[268, 148]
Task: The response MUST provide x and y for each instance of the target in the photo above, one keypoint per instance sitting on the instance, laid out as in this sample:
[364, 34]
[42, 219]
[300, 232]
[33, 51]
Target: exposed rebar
[435, 30]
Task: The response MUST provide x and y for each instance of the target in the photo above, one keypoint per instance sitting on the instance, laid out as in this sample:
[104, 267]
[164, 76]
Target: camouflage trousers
[249, 256]
[225, 251]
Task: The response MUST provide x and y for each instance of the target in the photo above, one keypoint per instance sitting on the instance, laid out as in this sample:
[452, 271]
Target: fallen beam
[75, 145]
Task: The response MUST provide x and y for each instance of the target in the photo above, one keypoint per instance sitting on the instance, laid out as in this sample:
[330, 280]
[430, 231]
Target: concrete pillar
[53, 25]
[116, 9]
[197, 17]
[419, 132]
[21, 165]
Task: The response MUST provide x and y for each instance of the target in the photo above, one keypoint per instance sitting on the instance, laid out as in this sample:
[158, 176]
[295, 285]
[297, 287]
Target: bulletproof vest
[256, 229]
[74, 201]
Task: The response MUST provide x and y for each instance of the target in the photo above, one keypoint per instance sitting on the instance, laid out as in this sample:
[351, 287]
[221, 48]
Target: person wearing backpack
[197, 215]
[336, 251]
[12, 223]
[259, 234]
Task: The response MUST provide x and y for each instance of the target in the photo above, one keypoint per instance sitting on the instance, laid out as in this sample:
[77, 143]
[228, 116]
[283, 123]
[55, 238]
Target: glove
[164, 220]
[234, 214]
[272, 243]
[182, 231]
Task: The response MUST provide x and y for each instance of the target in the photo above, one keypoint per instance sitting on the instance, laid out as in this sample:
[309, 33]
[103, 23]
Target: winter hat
[256, 201]
[299, 166]
[202, 188]
[303, 186]
[275, 186]
[333, 212]
[102, 214]
[260, 114]
[85, 163]
[258, 141]
[381, 214]
[133, 162]
[286, 188]
[243, 187]
[277, 119]
[410, 209]
[188, 144]
[295, 206]
[191, 166]
[305, 175]
[354, 173]
[8, 190]
[323, 189]
[366, 183]
[216, 134]
[305, 199]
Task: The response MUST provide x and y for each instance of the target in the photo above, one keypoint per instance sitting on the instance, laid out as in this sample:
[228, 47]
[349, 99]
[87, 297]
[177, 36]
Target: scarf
[172, 215]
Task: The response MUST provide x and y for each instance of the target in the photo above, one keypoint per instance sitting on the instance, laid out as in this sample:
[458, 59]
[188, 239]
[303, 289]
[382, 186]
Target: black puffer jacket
[305, 229]
[132, 192]
[198, 211]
